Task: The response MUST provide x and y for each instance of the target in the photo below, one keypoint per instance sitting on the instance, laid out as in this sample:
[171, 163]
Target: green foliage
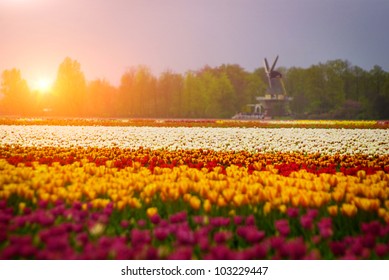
[332, 90]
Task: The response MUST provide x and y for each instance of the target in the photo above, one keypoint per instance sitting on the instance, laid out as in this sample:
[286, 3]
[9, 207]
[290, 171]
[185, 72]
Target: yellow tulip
[151, 211]
[267, 208]
[22, 206]
[239, 199]
[207, 206]
[333, 210]
[349, 209]
[195, 202]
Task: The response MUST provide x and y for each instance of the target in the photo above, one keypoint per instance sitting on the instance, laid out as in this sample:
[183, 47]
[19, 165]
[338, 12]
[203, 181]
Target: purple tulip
[250, 220]
[9, 252]
[381, 250]
[338, 248]
[292, 212]
[155, 219]
[282, 226]
[221, 252]
[294, 249]
[257, 251]
[3, 236]
[57, 243]
[238, 220]
[151, 253]
[276, 242]
[59, 202]
[163, 223]
[82, 238]
[3, 204]
[366, 254]
[241, 231]
[58, 210]
[140, 237]
[77, 205]
[357, 249]
[325, 227]
[45, 219]
[108, 210]
[384, 231]
[5, 218]
[348, 256]
[185, 236]
[124, 224]
[27, 211]
[306, 222]
[161, 233]
[222, 236]
[141, 223]
[373, 228]
[368, 241]
[27, 251]
[181, 253]
[42, 204]
[313, 255]
[312, 213]
[219, 221]
[202, 232]
[178, 217]
[203, 243]
[198, 220]
[253, 235]
[105, 241]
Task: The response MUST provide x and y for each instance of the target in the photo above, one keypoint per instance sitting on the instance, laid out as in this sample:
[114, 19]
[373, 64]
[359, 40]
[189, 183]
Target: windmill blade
[274, 64]
[266, 66]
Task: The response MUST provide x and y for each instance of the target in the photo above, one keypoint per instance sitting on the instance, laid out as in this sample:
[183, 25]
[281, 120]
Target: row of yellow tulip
[203, 179]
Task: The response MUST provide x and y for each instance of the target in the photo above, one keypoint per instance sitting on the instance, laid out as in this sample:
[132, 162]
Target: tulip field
[214, 189]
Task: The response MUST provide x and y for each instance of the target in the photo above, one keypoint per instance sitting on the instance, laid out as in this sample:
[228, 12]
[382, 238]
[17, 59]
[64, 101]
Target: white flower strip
[326, 141]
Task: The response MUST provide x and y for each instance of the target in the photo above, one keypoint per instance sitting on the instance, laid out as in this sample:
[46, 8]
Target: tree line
[332, 90]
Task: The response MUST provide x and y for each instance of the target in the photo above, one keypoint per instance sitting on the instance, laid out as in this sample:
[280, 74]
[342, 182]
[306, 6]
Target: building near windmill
[275, 103]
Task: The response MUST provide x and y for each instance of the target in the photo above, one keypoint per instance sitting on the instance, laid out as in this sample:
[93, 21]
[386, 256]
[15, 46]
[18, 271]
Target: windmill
[276, 85]
[275, 103]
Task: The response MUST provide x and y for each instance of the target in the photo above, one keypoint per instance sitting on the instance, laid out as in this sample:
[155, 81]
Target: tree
[16, 94]
[126, 102]
[170, 88]
[226, 97]
[237, 79]
[193, 96]
[145, 92]
[296, 85]
[69, 89]
[137, 91]
[101, 99]
[379, 93]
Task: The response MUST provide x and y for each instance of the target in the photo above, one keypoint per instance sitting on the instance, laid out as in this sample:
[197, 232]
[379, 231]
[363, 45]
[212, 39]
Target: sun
[43, 85]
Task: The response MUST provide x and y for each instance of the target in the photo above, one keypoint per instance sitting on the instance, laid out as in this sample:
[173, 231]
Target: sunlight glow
[42, 85]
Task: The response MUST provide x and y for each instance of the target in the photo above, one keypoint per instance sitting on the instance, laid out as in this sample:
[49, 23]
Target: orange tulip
[195, 202]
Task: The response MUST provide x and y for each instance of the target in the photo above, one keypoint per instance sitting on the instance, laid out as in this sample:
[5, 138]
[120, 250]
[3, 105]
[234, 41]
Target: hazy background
[107, 37]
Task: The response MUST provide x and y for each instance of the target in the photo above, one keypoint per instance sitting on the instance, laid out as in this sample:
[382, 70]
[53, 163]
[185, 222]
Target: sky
[109, 37]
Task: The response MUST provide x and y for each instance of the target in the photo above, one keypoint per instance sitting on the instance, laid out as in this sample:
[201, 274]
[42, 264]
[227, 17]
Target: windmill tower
[275, 103]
